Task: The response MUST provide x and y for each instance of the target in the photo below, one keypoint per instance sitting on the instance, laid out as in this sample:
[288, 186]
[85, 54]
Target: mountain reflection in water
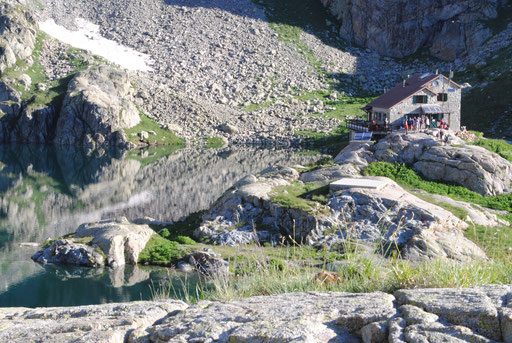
[48, 191]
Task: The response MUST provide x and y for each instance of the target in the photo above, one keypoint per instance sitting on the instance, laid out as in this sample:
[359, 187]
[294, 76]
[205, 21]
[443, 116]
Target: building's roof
[400, 93]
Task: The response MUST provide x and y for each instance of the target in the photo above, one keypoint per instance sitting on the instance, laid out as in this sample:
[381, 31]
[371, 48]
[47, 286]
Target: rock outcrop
[118, 240]
[17, 34]
[97, 107]
[384, 219]
[450, 29]
[67, 251]
[470, 166]
[478, 314]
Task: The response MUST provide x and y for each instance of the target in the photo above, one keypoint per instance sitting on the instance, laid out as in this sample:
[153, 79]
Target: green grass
[162, 137]
[310, 197]
[325, 162]
[256, 107]
[259, 270]
[214, 142]
[331, 143]
[160, 251]
[409, 178]
[34, 97]
[498, 146]
[495, 241]
[181, 228]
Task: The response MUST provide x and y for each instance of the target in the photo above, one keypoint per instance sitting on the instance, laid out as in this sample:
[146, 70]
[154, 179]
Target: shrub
[184, 240]
[160, 251]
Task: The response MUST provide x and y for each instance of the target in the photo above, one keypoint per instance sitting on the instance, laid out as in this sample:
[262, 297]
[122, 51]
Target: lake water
[47, 192]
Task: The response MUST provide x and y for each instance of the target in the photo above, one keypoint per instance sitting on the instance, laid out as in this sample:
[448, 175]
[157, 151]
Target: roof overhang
[431, 109]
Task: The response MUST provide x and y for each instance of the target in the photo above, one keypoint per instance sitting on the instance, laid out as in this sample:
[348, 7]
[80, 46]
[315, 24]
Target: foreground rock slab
[477, 314]
[97, 323]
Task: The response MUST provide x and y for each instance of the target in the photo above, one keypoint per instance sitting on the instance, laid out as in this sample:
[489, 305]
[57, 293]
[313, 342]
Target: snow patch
[88, 37]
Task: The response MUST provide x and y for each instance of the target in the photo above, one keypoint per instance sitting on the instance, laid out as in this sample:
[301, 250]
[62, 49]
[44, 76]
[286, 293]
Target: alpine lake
[48, 191]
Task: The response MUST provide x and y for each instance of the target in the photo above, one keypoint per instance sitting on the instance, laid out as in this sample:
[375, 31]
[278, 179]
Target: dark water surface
[47, 192]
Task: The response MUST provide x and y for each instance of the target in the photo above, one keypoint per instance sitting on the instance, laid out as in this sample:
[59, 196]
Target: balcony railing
[366, 126]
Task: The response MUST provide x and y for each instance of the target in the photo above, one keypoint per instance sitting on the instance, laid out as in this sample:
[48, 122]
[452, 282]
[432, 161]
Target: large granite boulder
[118, 240]
[97, 107]
[397, 28]
[384, 220]
[470, 166]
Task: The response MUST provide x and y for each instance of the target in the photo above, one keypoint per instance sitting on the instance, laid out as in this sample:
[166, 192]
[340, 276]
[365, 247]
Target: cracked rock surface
[477, 314]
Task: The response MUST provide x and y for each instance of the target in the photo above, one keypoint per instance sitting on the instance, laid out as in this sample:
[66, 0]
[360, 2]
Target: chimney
[403, 85]
[437, 71]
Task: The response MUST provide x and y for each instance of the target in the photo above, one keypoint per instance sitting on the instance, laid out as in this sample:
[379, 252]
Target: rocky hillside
[250, 71]
[480, 314]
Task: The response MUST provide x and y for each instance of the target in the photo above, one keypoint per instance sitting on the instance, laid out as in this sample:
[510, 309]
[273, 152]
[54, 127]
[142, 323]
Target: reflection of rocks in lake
[48, 191]
[127, 275]
[115, 277]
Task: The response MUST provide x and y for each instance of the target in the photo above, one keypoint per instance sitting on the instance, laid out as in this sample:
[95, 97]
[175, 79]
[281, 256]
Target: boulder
[474, 308]
[470, 166]
[109, 242]
[99, 100]
[228, 128]
[120, 240]
[66, 251]
[208, 262]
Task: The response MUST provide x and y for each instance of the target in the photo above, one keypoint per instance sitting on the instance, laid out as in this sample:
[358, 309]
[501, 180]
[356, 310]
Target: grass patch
[161, 136]
[498, 146]
[495, 241]
[181, 228]
[325, 162]
[258, 270]
[331, 143]
[160, 251]
[215, 142]
[310, 197]
[256, 107]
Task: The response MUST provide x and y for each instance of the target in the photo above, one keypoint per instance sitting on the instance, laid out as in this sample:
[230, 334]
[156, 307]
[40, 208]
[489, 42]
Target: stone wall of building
[452, 105]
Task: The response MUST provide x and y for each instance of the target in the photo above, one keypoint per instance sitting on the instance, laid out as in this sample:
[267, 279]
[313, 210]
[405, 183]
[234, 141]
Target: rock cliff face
[98, 105]
[478, 314]
[399, 28]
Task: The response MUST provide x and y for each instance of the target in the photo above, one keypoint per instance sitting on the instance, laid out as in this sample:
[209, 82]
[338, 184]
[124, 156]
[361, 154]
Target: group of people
[423, 122]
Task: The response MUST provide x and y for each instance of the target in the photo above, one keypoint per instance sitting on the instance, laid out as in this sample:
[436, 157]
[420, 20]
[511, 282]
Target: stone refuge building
[430, 95]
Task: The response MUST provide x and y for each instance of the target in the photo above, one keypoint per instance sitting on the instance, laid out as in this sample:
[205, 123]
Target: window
[419, 99]
[442, 97]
